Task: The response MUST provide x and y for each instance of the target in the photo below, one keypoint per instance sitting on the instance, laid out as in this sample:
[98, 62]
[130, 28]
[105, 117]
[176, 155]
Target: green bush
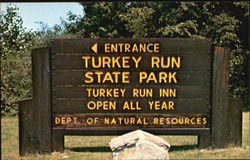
[16, 44]
[15, 49]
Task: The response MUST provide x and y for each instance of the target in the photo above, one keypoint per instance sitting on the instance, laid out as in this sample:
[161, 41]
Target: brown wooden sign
[113, 86]
[126, 84]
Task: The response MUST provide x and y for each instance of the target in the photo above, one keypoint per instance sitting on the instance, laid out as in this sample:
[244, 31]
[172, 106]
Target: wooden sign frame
[67, 72]
[37, 133]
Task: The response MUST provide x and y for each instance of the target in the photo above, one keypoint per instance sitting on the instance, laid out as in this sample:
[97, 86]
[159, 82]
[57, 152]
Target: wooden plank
[169, 45]
[204, 141]
[82, 92]
[58, 142]
[235, 123]
[193, 78]
[35, 114]
[70, 46]
[25, 120]
[42, 99]
[134, 121]
[183, 78]
[188, 62]
[80, 106]
[248, 66]
[100, 131]
[220, 98]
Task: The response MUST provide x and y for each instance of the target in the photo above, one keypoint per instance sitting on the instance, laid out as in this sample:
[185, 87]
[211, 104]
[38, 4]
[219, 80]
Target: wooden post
[42, 97]
[26, 140]
[220, 98]
[57, 142]
[204, 141]
[248, 64]
[35, 115]
[57, 139]
[235, 123]
[226, 113]
[220, 102]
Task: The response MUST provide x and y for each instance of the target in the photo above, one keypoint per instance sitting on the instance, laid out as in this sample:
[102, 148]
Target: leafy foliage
[225, 23]
[44, 35]
[16, 45]
[15, 61]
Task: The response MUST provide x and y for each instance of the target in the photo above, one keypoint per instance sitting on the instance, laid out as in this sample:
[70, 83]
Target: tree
[44, 35]
[225, 23]
[15, 48]
[16, 45]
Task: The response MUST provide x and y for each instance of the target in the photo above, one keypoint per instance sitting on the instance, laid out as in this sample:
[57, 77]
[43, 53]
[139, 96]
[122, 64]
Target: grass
[96, 147]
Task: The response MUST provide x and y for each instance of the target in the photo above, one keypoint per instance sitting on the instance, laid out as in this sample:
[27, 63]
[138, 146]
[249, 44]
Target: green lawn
[94, 147]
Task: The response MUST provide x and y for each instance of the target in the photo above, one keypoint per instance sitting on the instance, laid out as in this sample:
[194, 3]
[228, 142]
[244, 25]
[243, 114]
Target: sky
[46, 12]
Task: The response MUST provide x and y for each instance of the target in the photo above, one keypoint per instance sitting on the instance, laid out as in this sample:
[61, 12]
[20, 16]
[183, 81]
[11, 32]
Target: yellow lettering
[176, 63]
[107, 47]
[101, 105]
[135, 48]
[167, 92]
[57, 120]
[86, 60]
[156, 47]
[155, 62]
[106, 61]
[127, 47]
[137, 61]
[164, 105]
[172, 76]
[165, 62]
[125, 61]
[89, 76]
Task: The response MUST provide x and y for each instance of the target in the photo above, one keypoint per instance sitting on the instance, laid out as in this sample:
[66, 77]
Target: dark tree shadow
[90, 149]
[182, 148]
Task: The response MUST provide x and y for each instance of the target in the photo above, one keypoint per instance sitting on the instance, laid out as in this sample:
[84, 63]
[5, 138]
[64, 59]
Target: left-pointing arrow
[94, 47]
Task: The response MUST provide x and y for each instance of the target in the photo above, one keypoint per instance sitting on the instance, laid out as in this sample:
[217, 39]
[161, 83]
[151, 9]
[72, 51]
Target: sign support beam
[35, 115]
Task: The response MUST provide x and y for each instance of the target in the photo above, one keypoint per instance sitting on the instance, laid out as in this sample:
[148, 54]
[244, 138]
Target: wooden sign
[113, 86]
[126, 84]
